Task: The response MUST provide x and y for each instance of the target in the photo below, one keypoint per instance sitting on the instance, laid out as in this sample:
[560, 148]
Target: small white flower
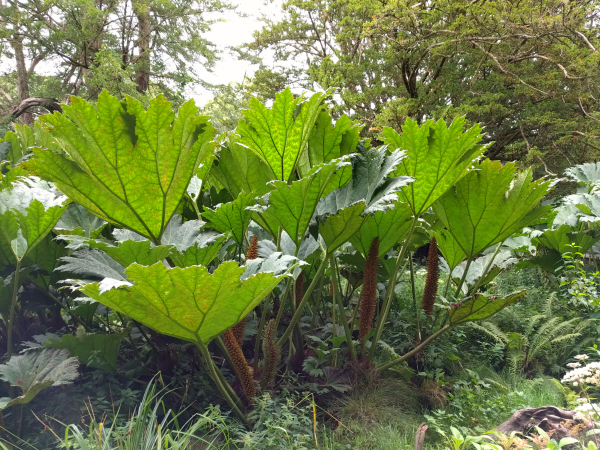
[575, 383]
[574, 365]
[581, 357]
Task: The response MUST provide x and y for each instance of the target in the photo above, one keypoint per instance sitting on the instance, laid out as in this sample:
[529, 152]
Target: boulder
[559, 422]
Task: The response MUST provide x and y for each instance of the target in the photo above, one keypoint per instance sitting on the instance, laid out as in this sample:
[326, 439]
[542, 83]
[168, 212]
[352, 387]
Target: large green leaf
[340, 227]
[566, 214]
[292, 205]
[35, 371]
[481, 267]
[43, 259]
[126, 165]
[94, 350]
[578, 208]
[191, 244]
[232, 217]
[279, 135]
[390, 226]
[17, 143]
[490, 204]
[450, 248]
[437, 157]
[370, 183]
[77, 220]
[328, 141]
[28, 212]
[340, 214]
[586, 175]
[185, 242]
[563, 238]
[95, 264]
[191, 303]
[480, 307]
[202, 252]
[129, 252]
[239, 169]
[195, 186]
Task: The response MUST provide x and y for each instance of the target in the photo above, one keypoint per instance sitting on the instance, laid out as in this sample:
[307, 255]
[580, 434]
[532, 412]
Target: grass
[540, 391]
[383, 414]
[378, 437]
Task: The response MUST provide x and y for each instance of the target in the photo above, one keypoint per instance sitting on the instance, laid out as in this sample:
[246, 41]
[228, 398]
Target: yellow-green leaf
[126, 165]
[279, 135]
[490, 204]
[188, 303]
[479, 307]
[437, 157]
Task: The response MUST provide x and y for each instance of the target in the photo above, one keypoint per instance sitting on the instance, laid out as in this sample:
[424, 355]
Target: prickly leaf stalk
[238, 329]
[299, 288]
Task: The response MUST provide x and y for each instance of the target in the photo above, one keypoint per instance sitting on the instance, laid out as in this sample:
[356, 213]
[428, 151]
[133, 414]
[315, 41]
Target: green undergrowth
[383, 414]
[379, 414]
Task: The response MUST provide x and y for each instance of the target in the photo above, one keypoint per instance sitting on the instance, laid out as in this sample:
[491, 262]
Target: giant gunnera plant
[231, 243]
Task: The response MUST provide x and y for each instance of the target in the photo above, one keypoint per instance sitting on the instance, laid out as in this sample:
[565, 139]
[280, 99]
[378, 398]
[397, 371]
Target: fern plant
[541, 335]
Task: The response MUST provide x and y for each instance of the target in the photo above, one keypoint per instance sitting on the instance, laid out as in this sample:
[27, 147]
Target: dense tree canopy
[127, 46]
[526, 70]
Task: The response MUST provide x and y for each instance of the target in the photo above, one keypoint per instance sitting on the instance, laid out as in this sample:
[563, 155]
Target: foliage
[495, 213]
[35, 371]
[539, 340]
[579, 287]
[222, 298]
[149, 428]
[480, 402]
[155, 253]
[135, 175]
[95, 350]
[281, 423]
[389, 61]
[130, 47]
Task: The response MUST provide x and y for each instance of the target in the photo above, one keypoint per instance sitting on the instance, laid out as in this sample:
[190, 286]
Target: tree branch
[51, 104]
[589, 44]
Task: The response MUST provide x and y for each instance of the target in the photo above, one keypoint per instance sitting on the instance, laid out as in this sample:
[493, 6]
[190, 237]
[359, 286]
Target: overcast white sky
[233, 31]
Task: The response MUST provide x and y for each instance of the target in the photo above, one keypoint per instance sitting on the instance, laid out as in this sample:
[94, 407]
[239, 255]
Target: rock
[550, 419]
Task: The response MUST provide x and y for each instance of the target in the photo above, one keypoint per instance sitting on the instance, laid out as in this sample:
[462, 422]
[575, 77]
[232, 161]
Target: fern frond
[492, 330]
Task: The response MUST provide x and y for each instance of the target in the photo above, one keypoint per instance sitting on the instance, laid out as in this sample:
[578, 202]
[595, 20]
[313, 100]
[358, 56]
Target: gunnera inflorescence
[272, 354]
[238, 329]
[242, 369]
[368, 298]
[431, 282]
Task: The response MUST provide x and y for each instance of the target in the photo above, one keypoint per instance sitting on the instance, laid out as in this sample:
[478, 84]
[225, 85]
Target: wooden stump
[420, 437]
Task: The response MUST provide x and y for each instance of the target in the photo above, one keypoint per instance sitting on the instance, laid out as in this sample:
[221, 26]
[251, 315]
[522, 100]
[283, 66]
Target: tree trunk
[22, 77]
[142, 75]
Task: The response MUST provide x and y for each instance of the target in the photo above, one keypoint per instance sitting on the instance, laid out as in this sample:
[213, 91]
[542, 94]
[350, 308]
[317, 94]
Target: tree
[527, 71]
[130, 47]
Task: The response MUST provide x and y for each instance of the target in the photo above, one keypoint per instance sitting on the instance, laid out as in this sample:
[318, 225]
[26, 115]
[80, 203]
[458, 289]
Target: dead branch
[51, 104]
